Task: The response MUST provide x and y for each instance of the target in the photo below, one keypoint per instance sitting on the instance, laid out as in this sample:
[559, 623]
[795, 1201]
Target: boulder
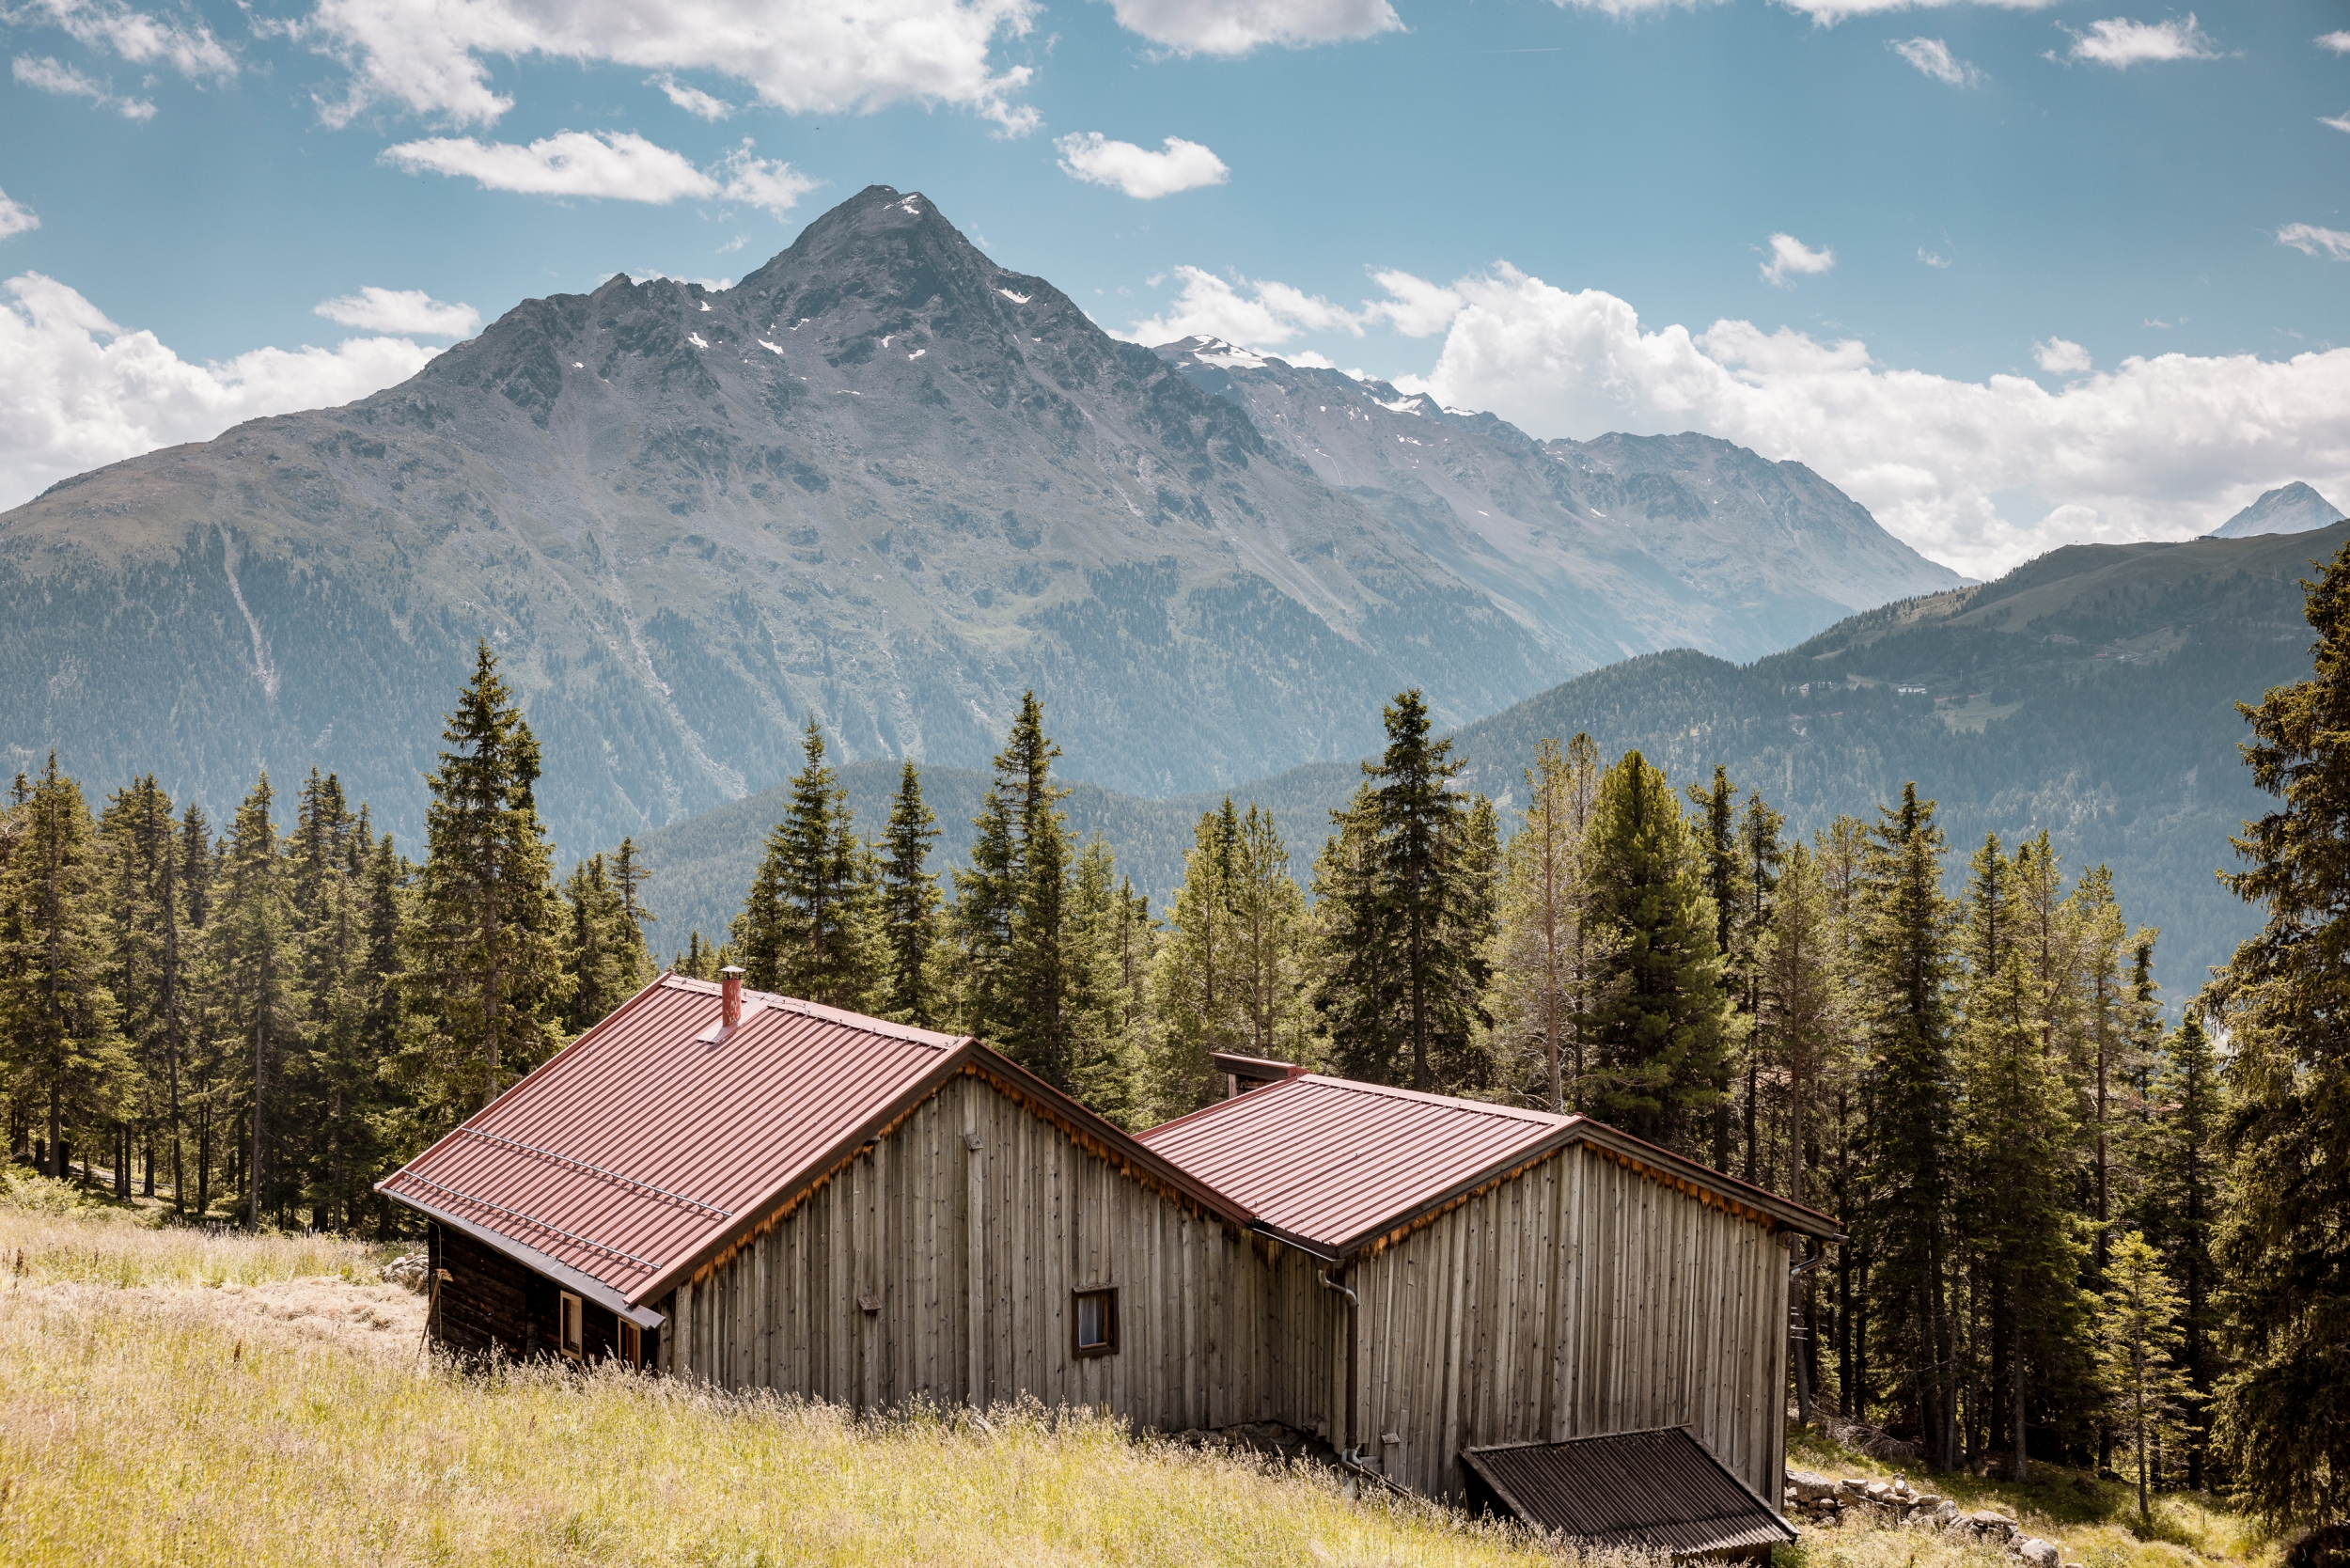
[1808, 1486]
[2039, 1553]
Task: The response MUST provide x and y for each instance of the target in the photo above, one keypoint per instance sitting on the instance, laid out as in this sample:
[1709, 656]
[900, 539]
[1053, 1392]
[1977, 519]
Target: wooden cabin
[760, 1192]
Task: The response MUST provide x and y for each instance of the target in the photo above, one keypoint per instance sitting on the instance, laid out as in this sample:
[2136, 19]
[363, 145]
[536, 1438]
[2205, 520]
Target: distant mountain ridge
[1620, 545]
[882, 481]
[2292, 509]
[2090, 692]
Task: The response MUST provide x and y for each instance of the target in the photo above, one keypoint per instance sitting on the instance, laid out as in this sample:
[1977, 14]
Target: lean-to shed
[1488, 1275]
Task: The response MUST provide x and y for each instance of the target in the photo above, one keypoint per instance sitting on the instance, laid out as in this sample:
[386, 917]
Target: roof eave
[588, 1285]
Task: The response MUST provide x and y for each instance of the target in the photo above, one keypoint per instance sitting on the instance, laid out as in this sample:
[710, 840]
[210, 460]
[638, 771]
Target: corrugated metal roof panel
[1663, 1490]
[639, 1143]
[1333, 1163]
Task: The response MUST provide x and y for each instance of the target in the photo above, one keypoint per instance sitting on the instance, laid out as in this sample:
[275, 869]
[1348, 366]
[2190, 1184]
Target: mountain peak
[2290, 508]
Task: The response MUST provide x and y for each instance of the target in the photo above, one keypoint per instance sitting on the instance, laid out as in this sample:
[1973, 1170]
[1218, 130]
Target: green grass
[139, 1426]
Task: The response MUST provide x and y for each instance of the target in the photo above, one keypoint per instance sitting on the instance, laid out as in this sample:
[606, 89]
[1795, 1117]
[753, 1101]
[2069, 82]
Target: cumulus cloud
[1934, 58]
[692, 99]
[2161, 447]
[15, 217]
[109, 27]
[1238, 26]
[1790, 257]
[78, 391]
[620, 165]
[429, 55]
[404, 311]
[49, 74]
[2310, 240]
[1140, 172]
[2119, 42]
[2059, 356]
[1255, 314]
[2338, 43]
[1415, 307]
[1829, 12]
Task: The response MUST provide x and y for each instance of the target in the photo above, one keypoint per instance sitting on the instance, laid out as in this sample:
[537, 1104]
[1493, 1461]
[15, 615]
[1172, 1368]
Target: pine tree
[2284, 1416]
[1195, 999]
[1661, 1038]
[1760, 857]
[2015, 1136]
[1404, 998]
[258, 957]
[1799, 1007]
[1722, 869]
[59, 1037]
[147, 972]
[1103, 1071]
[910, 906]
[604, 953]
[2179, 1210]
[1268, 915]
[483, 955]
[806, 926]
[2137, 1340]
[1904, 963]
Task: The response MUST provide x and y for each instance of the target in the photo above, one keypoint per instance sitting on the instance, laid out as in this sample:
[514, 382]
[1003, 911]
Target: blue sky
[2046, 271]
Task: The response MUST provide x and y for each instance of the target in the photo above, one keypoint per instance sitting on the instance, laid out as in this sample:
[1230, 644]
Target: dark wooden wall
[492, 1304]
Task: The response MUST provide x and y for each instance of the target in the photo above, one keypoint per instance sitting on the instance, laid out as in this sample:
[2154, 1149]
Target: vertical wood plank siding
[1579, 1299]
[931, 1268]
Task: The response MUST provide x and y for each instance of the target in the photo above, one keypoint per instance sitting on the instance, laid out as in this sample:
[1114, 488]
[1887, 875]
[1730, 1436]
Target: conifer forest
[2086, 1220]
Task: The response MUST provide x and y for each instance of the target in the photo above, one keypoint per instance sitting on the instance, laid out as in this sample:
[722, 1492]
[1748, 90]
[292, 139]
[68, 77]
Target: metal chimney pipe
[731, 997]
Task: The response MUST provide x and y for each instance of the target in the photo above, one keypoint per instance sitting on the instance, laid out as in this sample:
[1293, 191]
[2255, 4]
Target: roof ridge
[1491, 1107]
[911, 1034]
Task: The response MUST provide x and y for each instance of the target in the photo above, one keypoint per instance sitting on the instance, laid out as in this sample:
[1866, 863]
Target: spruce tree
[1904, 962]
[1268, 915]
[1196, 1000]
[2138, 1340]
[1661, 1038]
[1722, 869]
[2283, 1415]
[1011, 908]
[482, 958]
[603, 952]
[2180, 1208]
[147, 972]
[1799, 1007]
[1403, 999]
[1102, 1070]
[264, 1004]
[806, 927]
[1760, 857]
[910, 906]
[59, 1039]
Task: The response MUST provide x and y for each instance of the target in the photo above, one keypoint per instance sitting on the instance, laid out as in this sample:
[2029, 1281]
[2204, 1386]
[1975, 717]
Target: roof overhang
[585, 1286]
[1662, 1489]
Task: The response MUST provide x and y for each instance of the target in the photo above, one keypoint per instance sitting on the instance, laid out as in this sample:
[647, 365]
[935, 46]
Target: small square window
[1095, 1323]
[632, 1343]
[574, 1335]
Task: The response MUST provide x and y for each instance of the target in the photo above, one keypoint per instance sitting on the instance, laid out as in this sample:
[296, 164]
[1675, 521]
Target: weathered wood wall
[484, 1305]
[1579, 1298]
[942, 1263]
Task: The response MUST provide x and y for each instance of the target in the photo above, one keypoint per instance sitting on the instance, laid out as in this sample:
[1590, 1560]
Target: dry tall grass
[138, 1426]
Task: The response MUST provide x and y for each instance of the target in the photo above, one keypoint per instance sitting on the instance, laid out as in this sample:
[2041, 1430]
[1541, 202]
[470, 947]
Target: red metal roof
[648, 1138]
[1331, 1163]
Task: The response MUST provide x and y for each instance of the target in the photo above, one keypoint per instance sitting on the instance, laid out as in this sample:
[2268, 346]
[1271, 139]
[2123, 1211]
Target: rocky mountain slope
[2292, 509]
[1620, 545]
[882, 481]
[2090, 692]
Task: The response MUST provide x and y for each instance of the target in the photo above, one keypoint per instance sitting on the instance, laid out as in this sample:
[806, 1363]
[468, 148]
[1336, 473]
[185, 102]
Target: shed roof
[1333, 1165]
[1663, 1490]
[640, 1151]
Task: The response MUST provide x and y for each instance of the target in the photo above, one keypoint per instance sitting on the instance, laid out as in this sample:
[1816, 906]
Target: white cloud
[1415, 307]
[2338, 43]
[2161, 447]
[1138, 171]
[1257, 315]
[1931, 258]
[693, 100]
[429, 55]
[15, 217]
[78, 391]
[2308, 240]
[1791, 256]
[2060, 356]
[1237, 26]
[137, 36]
[1829, 12]
[403, 311]
[2119, 42]
[2340, 122]
[1934, 58]
[49, 74]
[615, 164]
[1620, 9]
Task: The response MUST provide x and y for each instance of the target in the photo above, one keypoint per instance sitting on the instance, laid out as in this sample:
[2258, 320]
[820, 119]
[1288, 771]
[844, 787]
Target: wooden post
[975, 1258]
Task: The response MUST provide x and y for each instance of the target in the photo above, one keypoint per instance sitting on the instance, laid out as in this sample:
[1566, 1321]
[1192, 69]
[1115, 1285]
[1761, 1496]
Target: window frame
[1107, 1295]
[570, 1326]
[632, 1343]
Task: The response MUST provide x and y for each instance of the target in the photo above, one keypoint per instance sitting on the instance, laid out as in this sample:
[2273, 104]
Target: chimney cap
[733, 969]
